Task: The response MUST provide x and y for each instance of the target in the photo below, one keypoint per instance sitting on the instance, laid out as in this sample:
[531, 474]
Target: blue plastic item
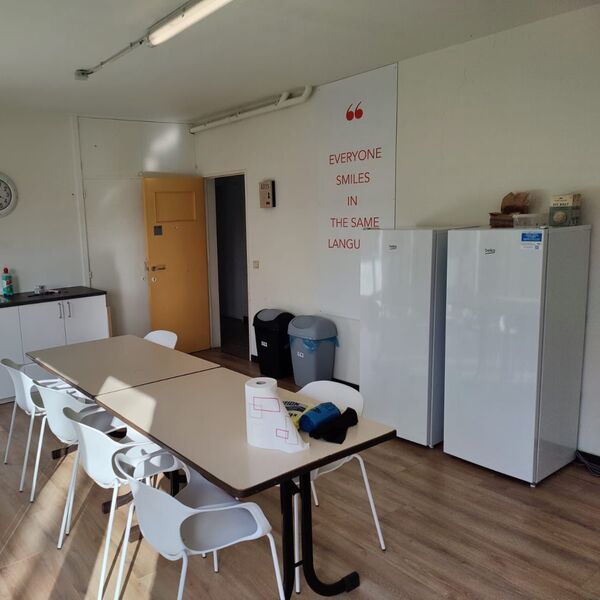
[319, 415]
[312, 345]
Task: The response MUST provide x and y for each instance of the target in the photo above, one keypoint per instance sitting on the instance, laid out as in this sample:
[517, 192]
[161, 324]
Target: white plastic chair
[199, 520]
[54, 402]
[162, 337]
[96, 451]
[343, 396]
[28, 399]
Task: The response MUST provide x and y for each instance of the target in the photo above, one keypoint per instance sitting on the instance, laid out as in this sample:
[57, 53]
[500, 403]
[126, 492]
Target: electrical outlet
[255, 264]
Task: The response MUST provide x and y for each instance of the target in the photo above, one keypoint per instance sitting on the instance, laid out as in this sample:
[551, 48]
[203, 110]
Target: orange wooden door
[177, 259]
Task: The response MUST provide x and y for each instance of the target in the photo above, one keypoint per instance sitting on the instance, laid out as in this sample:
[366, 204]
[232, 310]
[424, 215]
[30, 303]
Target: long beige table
[202, 419]
[117, 363]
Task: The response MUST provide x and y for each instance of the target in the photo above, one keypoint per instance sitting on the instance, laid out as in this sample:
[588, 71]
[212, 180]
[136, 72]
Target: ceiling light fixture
[184, 17]
[174, 23]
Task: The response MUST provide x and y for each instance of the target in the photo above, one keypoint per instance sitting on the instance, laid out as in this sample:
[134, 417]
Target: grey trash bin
[312, 341]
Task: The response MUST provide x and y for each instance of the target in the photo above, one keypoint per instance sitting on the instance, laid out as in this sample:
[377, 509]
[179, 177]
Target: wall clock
[8, 195]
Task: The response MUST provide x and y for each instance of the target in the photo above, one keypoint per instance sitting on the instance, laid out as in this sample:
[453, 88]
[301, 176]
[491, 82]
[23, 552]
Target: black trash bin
[272, 342]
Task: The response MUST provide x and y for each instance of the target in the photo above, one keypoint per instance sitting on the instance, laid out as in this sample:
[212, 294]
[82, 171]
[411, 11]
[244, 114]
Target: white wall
[113, 154]
[515, 111]
[40, 239]
[519, 110]
[280, 147]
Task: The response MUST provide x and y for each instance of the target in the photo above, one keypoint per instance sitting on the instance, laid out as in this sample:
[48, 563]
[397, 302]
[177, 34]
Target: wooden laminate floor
[453, 530]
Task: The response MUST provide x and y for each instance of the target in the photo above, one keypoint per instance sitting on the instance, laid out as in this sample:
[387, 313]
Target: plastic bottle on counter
[7, 283]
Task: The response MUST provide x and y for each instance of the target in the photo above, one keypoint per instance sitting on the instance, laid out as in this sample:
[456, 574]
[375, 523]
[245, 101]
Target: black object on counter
[336, 429]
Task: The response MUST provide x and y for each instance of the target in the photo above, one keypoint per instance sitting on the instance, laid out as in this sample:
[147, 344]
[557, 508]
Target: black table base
[287, 490]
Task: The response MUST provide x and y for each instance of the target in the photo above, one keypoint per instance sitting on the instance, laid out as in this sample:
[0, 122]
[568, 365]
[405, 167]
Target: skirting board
[254, 358]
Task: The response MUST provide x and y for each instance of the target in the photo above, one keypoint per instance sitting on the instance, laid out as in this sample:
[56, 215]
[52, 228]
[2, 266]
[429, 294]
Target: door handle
[158, 268]
[60, 310]
[69, 307]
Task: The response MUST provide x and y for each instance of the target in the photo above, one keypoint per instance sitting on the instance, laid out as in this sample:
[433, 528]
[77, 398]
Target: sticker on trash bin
[300, 354]
[264, 344]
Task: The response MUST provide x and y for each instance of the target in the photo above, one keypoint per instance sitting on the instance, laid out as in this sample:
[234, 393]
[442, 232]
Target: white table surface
[117, 363]
[202, 419]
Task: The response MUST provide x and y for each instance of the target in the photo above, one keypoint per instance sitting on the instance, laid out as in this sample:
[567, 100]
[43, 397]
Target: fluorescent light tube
[190, 14]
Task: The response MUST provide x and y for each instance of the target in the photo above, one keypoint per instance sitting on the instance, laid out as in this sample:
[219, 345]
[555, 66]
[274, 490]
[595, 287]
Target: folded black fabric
[336, 429]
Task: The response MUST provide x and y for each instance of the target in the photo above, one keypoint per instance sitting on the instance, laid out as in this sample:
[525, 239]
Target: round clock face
[8, 195]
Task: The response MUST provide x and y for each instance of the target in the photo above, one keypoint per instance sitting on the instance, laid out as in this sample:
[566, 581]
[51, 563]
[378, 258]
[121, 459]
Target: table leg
[175, 479]
[134, 534]
[287, 491]
[60, 452]
[345, 584]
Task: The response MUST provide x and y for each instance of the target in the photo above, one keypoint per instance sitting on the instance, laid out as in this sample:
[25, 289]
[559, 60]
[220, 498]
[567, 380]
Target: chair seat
[199, 492]
[158, 464]
[104, 421]
[206, 532]
[330, 467]
[37, 398]
[39, 405]
[136, 436]
[55, 384]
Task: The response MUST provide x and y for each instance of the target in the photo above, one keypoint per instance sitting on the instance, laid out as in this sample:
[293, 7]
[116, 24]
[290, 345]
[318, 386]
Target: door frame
[213, 257]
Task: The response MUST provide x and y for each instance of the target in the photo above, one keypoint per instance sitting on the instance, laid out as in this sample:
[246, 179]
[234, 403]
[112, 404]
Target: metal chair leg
[361, 462]
[37, 459]
[31, 421]
[10, 431]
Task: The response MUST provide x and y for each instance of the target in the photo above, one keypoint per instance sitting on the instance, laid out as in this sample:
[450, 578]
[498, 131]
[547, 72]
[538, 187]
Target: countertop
[67, 293]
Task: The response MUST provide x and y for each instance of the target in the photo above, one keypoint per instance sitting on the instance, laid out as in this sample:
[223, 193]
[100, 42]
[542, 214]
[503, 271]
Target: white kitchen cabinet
[42, 326]
[10, 346]
[51, 324]
[85, 319]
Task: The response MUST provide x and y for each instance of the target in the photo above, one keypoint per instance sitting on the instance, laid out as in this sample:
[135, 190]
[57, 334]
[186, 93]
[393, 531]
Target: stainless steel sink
[48, 293]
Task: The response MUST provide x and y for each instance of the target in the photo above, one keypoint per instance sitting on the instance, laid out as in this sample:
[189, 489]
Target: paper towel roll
[268, 424]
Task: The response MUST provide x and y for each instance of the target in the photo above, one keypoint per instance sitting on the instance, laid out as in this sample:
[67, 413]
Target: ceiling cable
[174, 23]
[84, 74]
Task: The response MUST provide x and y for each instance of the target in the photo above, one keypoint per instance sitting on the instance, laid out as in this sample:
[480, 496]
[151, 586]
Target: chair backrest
[162, 337]
[54, 402]
[159, 515]
[22, 383]
[96, 449]
[343, 396]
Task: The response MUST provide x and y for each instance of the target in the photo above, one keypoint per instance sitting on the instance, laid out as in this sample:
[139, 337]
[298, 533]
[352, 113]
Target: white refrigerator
[402, 313]
[515, 321]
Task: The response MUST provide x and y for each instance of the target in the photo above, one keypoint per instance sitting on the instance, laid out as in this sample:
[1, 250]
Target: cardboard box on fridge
[565, 210]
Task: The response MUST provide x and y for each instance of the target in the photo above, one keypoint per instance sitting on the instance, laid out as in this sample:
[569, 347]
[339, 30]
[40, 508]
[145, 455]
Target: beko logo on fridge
[489, 251]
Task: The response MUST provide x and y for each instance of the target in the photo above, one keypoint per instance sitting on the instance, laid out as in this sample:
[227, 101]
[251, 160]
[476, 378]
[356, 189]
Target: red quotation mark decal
[357, 113]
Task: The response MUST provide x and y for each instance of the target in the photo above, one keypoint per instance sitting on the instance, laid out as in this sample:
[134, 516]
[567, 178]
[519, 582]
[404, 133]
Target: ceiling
[248, 50]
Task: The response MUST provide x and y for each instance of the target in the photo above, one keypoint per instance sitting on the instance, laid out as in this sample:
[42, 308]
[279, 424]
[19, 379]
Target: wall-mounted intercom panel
[266, 190]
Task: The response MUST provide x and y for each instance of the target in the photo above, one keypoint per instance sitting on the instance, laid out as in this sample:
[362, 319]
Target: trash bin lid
[312, 327]
[272, 318]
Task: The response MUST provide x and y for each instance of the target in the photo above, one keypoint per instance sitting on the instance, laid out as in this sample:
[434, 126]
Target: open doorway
[230, 217]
